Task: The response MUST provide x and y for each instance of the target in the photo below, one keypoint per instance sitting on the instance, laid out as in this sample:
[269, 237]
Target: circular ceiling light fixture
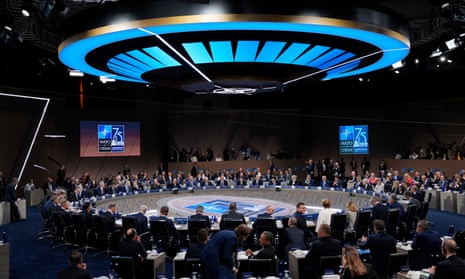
[231, 47]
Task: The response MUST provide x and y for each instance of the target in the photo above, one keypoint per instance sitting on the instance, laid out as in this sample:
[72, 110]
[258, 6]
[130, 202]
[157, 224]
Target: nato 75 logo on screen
[110, 138]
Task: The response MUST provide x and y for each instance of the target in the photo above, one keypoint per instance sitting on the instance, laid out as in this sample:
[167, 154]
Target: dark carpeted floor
[33, 258]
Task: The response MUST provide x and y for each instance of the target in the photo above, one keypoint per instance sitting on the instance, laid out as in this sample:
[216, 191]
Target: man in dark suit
[426, 247]
[267, 251]
[381, 246]
[141, 220]
[379, 211]
[393, 203]
[218, 257]
[164, 210]
[294, 237]
[10, 197]
[199, 216]
[110, 217]
[232, 214]
[195, 248]
[131, 246]
[76, 269]
[452, 266]
[301, 222]
[324, 245]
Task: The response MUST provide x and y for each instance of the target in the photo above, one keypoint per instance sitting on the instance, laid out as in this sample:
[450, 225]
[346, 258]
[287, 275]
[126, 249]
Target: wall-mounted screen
[109, 138]
[353, 139]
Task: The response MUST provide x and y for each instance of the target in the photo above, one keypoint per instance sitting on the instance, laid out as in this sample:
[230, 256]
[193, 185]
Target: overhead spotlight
[75, 73]
[398, 65]
[106, 79]
[25, 12]
[437, 52]
[452, 44]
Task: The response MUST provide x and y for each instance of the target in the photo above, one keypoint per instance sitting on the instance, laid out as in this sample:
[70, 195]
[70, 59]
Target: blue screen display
[353, 139]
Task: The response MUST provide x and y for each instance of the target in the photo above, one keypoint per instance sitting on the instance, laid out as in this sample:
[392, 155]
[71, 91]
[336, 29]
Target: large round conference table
[251, 201]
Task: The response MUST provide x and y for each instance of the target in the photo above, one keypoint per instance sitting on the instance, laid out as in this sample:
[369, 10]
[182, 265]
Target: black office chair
[362, 224]
[338, 225]
[193, 227]
[265, 224]
[128, 222]
[123, 266]
[329, 265]
[396, 263]
[161, 235]
[231, 224]
[409, 225]
[108, 240]
[392, 221]
[193, 265]
[262, 267]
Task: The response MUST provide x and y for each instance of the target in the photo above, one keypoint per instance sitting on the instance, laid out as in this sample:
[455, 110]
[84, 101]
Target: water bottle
[159, 247]
[4, 239]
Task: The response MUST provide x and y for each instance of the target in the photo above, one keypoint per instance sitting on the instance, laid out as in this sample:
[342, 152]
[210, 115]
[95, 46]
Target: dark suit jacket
[380, 211]
[141, 223]
[219, 251]
[110, 220]
[171, 227]
[135, 250]
[295, 239]
[266, 252]
[302, 224]
[73, 272]
[426, 245]
[452, 267]
[381, 245]
[231, 215]
[10, 193]
[325, 246]
[195, 250]
[201, 217]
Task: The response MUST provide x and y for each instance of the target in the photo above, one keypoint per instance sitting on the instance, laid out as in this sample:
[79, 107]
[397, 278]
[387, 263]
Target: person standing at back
[218, 256]
[301, 222]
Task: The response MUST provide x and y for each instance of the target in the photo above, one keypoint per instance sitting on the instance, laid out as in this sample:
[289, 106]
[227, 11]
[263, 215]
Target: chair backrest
[392, 221]
[128, 222]
[193, 265]
[265, 224]
[362, 224]
[123, 266]
[262, 267]
[411, 214]
[329, 265]
[396, 262]
[193, 227]
[338, 224]
[424, 210]
[231, 224]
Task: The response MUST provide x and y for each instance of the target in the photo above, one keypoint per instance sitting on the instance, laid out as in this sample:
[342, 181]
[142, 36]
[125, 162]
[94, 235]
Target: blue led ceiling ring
[389, 46]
